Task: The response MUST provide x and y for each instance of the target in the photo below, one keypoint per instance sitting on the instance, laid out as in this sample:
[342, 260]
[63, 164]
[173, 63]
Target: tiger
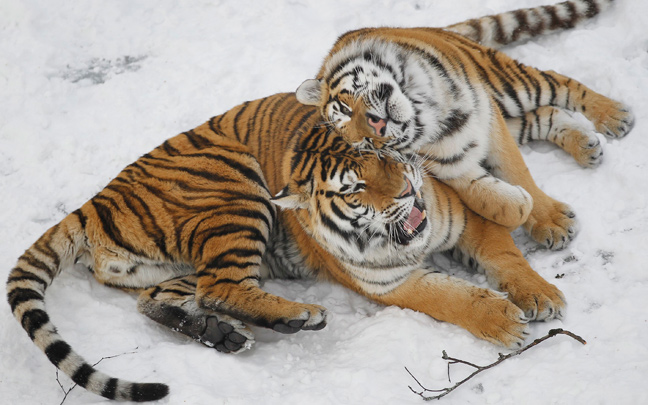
[192, 228]
[452, 97]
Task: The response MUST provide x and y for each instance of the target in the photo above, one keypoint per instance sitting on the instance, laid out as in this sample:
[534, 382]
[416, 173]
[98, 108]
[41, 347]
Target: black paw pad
[222, 336]
[293, 326]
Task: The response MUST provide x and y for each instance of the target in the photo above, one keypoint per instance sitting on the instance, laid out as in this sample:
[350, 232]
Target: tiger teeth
[418, 194]
[410, 231]
[423, 215]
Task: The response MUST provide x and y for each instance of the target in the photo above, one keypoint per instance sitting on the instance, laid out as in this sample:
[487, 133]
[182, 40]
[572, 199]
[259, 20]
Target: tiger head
[364, 92]
[361, 207]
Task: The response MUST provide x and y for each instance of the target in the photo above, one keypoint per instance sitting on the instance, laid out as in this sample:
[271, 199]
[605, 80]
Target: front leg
[493, 251]
[551, 222]
[485, 313]
[492, 198]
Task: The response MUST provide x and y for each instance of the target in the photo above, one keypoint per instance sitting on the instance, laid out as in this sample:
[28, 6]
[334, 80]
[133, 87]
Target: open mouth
[411, 227]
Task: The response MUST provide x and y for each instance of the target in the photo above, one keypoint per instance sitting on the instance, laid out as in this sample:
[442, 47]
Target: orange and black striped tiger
[448, 96]
[192, 227]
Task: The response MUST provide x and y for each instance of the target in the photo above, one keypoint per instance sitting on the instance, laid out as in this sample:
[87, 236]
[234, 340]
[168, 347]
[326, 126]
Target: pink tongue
[414, 220]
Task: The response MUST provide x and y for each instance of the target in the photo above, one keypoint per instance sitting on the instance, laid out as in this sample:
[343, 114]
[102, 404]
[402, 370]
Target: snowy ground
[87, 87]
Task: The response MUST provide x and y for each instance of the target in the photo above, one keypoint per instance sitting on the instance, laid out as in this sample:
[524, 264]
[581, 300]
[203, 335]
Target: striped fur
[499, 30]
[463, 106]
[192, 226]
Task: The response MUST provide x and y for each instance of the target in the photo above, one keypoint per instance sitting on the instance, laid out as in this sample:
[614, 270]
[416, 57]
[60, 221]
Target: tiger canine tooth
[418, 194]
[423, 215]
[410, 231]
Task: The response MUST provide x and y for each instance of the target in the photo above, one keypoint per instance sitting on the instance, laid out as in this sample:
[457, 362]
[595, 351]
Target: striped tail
[35, 271]
[498, 30]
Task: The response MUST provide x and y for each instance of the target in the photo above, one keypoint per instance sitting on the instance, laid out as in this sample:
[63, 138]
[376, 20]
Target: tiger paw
[585, 147]
[498, 201]
[499, 321]
[311, 318]
[611, 118]
[552, 224]
[226, 334]
[540, 300]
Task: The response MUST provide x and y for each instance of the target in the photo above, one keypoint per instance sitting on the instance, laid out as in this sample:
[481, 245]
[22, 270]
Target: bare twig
[66, 392]
[451, 360]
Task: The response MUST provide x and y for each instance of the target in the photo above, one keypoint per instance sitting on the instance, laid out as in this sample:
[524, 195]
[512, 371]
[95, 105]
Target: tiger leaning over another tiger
[450, 96]
[192, 227]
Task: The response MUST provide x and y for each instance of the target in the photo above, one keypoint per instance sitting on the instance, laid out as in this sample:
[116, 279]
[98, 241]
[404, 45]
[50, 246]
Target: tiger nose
[378, 124]
[409, 189]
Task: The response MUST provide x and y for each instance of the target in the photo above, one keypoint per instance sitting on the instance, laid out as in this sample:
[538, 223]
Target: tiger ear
[288, 200]
[310, 92]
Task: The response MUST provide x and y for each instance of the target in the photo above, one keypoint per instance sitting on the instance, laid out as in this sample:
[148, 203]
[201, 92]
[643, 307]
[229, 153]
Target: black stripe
[338, 212]
[190, 170]
[170, 150]
[480, 69]
[44, 248]
[18, 274]
[110, 227]
[232, 281]
[57, 352]
[110, 389]
[508, 85]
[341, 66]
[522, 24]
[178, 292]
[29, 258]
[252, 123]
[500, 36]
[155, 292]
[82, 374]
[184, 281]
[19, 295]
[236, 119]
[157, 234]
[192, 238]
[218, 261]
[33, 320]
[337, 81]
[552, 88]
[197, 141]
[592, 8]
[521, 137]
[237, 211]
[453, 123]
[524, 72]
[82, 218]
[330, 224]
[253, 234]
[248, 172]
[225, 264]
[236, 196]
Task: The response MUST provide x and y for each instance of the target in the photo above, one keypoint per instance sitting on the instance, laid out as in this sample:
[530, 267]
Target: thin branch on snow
[66, 392]
[451, 360]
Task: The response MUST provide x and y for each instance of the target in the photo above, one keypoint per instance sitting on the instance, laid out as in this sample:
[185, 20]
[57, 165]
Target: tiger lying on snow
[191, 226]
[446, 97]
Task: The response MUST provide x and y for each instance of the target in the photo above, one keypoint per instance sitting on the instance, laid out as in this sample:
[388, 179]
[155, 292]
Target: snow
[87, 87]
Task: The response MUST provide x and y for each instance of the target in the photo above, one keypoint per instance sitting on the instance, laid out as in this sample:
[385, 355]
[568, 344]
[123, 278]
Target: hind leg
[557, 126]
[226, 239]
[173, 304]
[610, 118]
